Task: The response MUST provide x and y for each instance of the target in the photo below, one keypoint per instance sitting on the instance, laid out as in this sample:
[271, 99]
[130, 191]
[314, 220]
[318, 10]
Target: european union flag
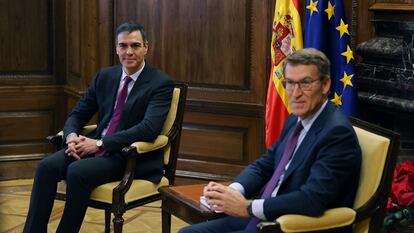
[326, 29]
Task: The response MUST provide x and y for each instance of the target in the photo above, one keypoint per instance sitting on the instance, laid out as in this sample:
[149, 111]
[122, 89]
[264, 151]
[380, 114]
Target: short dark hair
[310, 56]
[131, 27]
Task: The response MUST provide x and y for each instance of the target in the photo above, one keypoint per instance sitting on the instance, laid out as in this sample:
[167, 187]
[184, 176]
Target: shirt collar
[308, 121]
[135, 75]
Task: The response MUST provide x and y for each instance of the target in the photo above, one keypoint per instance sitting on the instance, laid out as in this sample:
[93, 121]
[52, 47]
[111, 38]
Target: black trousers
[81, 177]
[221, 225]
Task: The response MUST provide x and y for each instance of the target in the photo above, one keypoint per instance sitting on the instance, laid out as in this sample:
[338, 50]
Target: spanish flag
[286, 38]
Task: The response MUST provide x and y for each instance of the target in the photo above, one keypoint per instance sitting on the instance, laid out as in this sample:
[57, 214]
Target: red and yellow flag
[286, 38]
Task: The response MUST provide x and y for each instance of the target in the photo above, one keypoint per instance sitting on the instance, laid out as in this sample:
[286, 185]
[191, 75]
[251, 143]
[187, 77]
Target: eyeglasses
[304, 85]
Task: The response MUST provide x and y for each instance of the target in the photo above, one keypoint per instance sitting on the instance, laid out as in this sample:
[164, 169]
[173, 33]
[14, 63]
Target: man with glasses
[132, 101]
[313, 166]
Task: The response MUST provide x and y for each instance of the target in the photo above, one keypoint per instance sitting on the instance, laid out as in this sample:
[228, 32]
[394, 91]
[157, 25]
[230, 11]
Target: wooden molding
[392, 7]
[228, 108]
[202, 176]
[73, 92]
[24, 79]
[32, 89]
[10, 158]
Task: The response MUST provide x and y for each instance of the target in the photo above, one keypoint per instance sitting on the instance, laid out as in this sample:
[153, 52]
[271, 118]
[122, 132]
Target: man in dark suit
[321, 170]
[132, 102]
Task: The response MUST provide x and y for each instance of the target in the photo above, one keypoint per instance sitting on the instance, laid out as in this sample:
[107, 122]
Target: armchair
[120, 196]
[379, 152]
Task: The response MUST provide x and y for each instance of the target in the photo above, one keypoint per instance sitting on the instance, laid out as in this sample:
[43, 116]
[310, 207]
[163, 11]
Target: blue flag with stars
[326, 29]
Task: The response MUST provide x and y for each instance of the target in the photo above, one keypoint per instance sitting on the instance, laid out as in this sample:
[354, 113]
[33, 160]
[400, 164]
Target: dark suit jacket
[142, 118]
[324, 171]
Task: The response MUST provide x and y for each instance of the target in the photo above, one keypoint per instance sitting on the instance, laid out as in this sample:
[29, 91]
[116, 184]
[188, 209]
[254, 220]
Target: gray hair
[310, 56]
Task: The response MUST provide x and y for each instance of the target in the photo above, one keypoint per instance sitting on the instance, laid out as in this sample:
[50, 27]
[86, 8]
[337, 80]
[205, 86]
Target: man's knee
[195, 228]
[73, 173]
[186, 230]
[79, 174]
[47, 166]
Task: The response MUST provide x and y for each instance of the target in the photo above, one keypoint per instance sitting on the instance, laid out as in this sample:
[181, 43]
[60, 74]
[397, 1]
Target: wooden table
[184, 203]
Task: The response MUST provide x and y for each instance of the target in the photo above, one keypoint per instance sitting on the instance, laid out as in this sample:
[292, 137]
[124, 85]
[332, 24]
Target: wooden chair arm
[143, 147]
[269, 227]
[118, 193]
[130, 153]
[55, 140]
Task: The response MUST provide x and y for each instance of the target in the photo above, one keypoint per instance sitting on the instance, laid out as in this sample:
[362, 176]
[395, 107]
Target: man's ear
[326, 85]
[146, 47]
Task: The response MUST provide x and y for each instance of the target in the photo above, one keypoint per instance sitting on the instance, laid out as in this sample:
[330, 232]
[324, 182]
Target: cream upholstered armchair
[117, 197]
[379, 152]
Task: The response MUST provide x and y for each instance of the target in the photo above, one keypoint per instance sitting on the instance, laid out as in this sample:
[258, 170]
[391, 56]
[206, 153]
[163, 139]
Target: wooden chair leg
[118, 208]
[118, 222]
[107, 220]
[166, 221]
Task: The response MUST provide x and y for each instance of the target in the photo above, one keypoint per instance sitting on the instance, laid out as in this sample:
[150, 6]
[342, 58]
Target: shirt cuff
[257, 208]
[238, 187]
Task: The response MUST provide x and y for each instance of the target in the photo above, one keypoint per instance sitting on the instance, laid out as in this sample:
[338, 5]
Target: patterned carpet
[14, 201]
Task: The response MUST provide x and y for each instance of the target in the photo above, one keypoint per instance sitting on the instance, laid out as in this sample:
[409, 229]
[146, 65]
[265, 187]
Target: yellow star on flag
[312, 7]
[337, 100]
[347, 79]
[348, 54]
[342, 28]
[330, 10]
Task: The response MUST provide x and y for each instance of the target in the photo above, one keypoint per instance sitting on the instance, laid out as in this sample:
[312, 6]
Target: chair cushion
[332, 218]
[167, 153]
[374, 152]
[88, 129]
[139, 189]
[144, 147]
[169, 121]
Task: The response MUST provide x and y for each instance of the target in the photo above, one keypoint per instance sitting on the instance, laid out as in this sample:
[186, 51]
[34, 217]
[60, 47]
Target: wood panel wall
[31, 97]
[220, 48]
[50, 51]
[89, 44]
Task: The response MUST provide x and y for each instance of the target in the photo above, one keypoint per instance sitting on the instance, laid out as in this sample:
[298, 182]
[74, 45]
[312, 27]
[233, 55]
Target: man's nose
[129, 50]
[296, 90]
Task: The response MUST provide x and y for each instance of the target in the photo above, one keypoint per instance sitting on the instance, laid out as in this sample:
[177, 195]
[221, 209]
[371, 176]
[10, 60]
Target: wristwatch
[99, 144]
[250, 209]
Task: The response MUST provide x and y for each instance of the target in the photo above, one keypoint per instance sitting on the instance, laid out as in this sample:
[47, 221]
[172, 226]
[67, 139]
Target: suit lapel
[305, 147]
[111, 80]
[290, 127]
[114, 80]
[143, 78]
